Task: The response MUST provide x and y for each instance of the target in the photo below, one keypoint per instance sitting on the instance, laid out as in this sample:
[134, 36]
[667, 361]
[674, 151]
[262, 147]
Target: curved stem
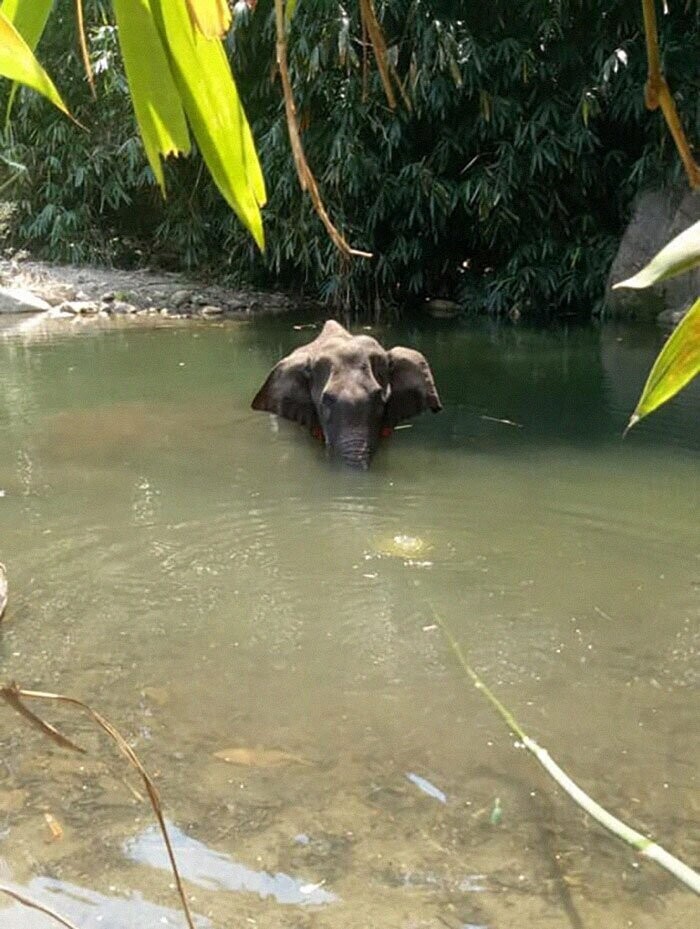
[638, 841]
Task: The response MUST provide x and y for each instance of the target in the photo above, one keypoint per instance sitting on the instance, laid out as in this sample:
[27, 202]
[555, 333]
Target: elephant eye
[379, 368]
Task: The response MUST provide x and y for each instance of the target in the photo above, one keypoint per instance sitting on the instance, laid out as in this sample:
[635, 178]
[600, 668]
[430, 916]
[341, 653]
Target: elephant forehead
[350, 352]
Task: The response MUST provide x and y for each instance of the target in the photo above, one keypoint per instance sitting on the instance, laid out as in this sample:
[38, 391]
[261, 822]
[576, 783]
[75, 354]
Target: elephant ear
[286, 391]
[412, 386]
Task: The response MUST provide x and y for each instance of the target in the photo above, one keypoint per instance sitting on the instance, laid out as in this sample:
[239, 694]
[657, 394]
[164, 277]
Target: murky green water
[201, 575]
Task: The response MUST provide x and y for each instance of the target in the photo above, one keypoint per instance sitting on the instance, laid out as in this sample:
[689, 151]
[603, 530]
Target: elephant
[349, 391]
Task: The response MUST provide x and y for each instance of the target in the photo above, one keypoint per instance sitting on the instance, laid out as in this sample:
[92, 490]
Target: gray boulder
[658, 216]
[18, 300]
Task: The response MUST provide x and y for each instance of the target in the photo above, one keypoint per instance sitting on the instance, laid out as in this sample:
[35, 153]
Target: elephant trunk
[355, 451]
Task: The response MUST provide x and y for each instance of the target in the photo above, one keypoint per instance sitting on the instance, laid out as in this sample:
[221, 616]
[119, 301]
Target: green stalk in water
[641, 843]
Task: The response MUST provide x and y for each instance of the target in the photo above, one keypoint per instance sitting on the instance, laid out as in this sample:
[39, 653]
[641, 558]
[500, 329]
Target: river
[202, 576]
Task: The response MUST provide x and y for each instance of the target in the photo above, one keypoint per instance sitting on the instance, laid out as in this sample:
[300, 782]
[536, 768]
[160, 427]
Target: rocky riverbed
[69, 292]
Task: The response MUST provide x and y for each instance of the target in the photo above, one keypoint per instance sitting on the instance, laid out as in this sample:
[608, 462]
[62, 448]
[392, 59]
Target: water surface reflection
[200, 574]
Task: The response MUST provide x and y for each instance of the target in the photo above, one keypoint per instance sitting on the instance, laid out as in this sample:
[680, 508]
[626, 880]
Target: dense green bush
[506, 186]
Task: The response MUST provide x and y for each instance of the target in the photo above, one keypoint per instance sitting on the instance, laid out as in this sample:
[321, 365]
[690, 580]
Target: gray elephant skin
[349, 391]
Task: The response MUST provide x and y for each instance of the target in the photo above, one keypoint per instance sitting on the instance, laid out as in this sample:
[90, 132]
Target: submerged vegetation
[502, 178]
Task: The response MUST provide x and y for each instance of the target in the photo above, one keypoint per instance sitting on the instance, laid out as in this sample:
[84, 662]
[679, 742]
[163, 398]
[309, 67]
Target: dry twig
[34, 905]
[82, 40]
[306, 178]
[370, 25]
[14, 695]
[4, 589]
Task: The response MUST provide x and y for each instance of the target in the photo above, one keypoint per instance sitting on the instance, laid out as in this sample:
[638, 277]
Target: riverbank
[67, 291]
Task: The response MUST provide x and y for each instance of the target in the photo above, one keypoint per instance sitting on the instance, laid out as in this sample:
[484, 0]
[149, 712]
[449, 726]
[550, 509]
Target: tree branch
[658, 94]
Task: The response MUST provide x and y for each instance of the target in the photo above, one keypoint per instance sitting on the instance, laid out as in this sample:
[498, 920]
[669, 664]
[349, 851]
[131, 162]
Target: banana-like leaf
[211, 17]
[215, 113]
[154, 93]
[676, 365]
[29, 19]
[681, 254]
[289, 10]
[17, 62]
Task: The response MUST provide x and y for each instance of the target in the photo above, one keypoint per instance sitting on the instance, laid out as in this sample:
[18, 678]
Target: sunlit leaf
[215, 113]
[211, 17]
[154, 93]
[681, 254]
[677, 364]
[17, 62]
[290, 8]
[29, 19]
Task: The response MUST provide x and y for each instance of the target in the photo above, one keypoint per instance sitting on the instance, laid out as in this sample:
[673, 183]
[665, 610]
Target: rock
[56, 293]
[238, 303]
[21, 255]
[56, 312]
[19, 300]
[658, 216]
[210, 310]
[79, 307]
[109, 297]
[121, 308]
[669, 319]
[180, 297]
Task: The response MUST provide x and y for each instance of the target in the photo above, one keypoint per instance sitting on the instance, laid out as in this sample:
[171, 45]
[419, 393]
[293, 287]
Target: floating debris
[259, 757]
[430, 789]
[55, 828]
[402, 546]
[4, 589]
[496, 813]
[505, 422]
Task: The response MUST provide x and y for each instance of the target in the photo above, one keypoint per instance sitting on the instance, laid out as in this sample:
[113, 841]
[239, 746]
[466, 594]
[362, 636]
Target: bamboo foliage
[178, 73]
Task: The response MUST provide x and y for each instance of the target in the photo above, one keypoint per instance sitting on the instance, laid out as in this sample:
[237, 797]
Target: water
[202, 576]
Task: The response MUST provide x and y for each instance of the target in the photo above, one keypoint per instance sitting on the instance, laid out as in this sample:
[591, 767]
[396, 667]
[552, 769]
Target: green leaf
[677, 364]
[289, 10]
[29, 19]
[17, 62]
[154, 94]
[209, 95]
[681, 254]
[211, 17]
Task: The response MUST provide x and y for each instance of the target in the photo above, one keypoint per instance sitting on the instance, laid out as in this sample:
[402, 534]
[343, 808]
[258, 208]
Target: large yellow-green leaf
[681, 254]
[215, 113]
[17, 62]
[677, 364]
[212, 17]
[29, 19]
[154, 93]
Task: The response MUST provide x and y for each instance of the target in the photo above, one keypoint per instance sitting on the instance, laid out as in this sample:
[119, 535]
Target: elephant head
[348, 390]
